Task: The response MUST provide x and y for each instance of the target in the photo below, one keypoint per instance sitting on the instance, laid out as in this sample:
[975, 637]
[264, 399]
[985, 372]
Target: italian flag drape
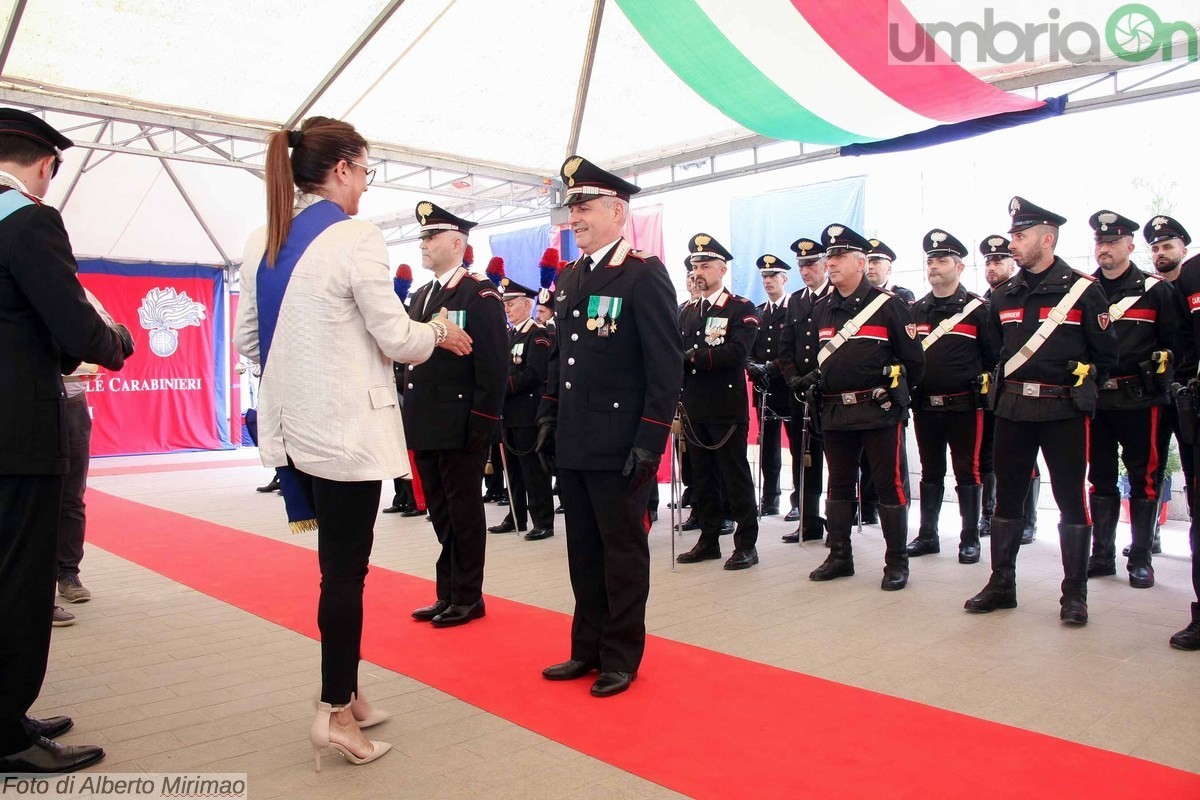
[816, 71]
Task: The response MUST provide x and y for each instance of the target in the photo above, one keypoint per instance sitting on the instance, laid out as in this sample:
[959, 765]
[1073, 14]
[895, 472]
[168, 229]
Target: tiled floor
[170, 680]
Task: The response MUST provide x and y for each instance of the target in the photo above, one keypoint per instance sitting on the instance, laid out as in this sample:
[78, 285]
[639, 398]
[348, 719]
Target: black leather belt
[1036, 389]
[849, 398]
[941, 400]
[1119, 381]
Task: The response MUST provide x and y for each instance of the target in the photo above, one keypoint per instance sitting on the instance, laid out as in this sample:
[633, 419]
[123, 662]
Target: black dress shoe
[51, 727]
[45, 756]
[559, 509]
[968, 553]
[413, 512]
[568, 670]
[701, 552]
[770, 510]
[1188, 638]
[793, 515]
[610, 683]
[426, 613]
[742, 559]
[459, 615]
[503, 501]
[813, 534]
[653, 514]
[395, 509]
[1073, 611]
[692, 523]
[507, 526]
[726, 527]
[870, 516]
[791, 538]
[273, 486]
[539, 533]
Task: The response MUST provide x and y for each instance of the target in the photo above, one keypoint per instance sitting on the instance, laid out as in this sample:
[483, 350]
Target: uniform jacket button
[693, 372]
[616, 405]
[460, 397]
[410, 386]
[571, 360]
[574, 337]
[576, 312]
[568, 384]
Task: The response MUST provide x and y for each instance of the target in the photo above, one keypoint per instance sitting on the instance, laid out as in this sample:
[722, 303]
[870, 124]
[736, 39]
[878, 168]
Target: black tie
[703, 306]
[586, 265]
[437, 287]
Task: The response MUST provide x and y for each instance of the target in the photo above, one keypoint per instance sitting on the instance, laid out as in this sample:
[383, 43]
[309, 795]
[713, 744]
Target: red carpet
[702, 723]
[183, 466]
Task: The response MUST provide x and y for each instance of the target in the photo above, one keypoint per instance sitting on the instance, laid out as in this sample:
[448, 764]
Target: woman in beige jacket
[318, 312]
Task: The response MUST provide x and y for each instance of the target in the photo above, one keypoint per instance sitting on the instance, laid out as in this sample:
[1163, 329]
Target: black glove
[546, 445]
[641, 467]
[690, 355]
[478, 441]
[802, 383]
[757, 372]
[126, 339]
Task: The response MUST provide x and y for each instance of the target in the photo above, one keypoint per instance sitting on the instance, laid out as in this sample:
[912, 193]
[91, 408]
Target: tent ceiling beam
[62, 206]
[343, 62]
[10, 32]
[585, 77]
[166, 165]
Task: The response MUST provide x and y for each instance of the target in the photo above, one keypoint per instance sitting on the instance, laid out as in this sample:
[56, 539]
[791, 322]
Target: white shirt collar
[714, 297]
[8, 179]
[820, 291]
[599, 255]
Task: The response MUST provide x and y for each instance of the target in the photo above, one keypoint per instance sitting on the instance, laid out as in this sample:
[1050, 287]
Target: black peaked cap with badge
[545, 298]
[1110, 226]
[807, 250]
[583, 181]
[769, 264]
[839, 237]
[1025, 214]
[703, 247]
[1162, 227]
[510, 289]
[995, 246]
[940, 243]
[27, 126]
[878, 249]
[434, 219]
[687, 264]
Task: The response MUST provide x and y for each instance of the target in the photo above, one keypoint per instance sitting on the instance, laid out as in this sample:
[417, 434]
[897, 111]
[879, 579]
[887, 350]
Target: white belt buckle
[1111, 383]
[848, 399]
[946, 325]
[937, 400]
[1031, 389]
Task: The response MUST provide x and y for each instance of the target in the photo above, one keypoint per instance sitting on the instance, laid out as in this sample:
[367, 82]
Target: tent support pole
[166, 165]
[10, 33]
[585, 76]
[62, 206]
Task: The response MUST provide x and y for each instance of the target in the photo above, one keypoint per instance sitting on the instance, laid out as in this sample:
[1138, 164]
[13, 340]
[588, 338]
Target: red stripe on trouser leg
[1087, 459]
[1152, 461]
[417, 490]
[978, 445]
[900, 464]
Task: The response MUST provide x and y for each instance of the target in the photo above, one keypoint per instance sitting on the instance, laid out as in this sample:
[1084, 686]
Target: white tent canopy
[472, 101]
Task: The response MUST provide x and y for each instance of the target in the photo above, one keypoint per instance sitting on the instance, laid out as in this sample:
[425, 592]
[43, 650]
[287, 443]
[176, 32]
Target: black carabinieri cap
[511, 289]
[994, 246]
[807, 251]
[772, 265]
[1162, 228]
[838, 238]
[545, 298]
[584, 181]
[435, 219]
[703, 247]
[939, 243]
[1110, 226]
[880, 250]
[24, 124]
[1025, 214]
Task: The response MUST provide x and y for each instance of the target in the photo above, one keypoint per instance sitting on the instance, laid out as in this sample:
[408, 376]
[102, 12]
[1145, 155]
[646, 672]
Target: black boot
[1105, 511]
[1142, 515]
[927, 535]
[894, 522]
[1075, 541]
[839, 515]
[969, 502]
[989, 503]
[1189, 637]
[1031, 508]
[1156, 547]
[1001, 589]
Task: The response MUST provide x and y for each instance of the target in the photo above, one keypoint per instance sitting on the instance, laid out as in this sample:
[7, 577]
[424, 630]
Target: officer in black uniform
[529, 363]
[452, 413]
[47, 327]
[773, 399]
[880, 259]
[1148, 315]
[798, 357]
[1051, 361]
[615, 374]
[718, 333]
[1188, 285]
[959, 349]
[868, 356]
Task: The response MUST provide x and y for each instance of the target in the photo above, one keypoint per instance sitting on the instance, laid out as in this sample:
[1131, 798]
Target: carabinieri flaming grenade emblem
[163, 312]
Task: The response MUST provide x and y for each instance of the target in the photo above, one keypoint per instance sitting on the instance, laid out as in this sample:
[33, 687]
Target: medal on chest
[518, 352]
[602, 314]
[715, 329]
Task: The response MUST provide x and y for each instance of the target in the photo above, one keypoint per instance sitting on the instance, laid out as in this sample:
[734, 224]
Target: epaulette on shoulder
[1080, 274]
[478, 277]
[641, 255]
[882, 290]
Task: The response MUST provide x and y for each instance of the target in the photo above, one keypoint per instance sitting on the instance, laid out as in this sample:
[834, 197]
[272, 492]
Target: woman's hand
[456, 340]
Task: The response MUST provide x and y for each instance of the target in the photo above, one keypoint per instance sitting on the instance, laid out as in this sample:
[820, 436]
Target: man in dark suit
[452, 413]
[529, 360]
[770, 388]
[48, 327]
[614, 384]
[718, 331]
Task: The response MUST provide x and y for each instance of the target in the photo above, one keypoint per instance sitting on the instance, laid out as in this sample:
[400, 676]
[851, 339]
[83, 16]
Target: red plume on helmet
[548, 267]
[469, 256]
[495, 270]
[403, 281]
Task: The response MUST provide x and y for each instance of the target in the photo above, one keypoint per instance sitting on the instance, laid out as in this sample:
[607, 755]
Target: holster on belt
[1085, 394]
[988, 387]
[897, 386]
[1185, 403]
[1158, 373]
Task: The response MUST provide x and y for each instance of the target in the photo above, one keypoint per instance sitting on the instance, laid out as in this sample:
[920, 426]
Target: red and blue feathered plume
[403, 281]
[468, 256]
[495, 270]
[549, 267]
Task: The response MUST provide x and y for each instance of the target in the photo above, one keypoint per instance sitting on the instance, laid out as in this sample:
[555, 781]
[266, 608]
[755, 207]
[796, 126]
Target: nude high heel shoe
[364, 713]
[319, 735]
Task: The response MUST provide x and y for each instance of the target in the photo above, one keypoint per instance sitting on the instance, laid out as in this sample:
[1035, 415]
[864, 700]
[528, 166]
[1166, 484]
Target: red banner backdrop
[168, 395]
